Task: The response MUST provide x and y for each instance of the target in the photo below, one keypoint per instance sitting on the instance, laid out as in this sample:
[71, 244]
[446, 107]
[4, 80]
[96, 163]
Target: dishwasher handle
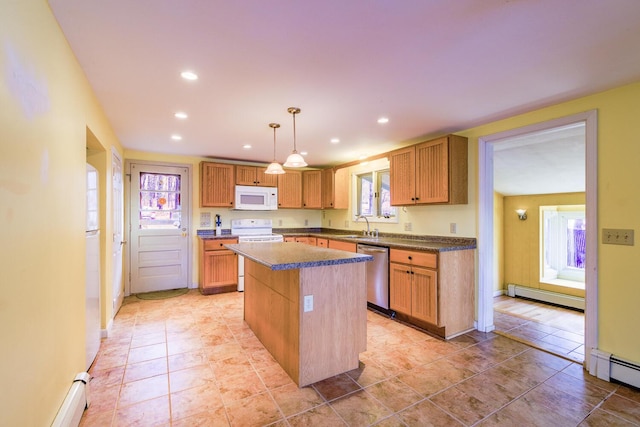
[368, 249]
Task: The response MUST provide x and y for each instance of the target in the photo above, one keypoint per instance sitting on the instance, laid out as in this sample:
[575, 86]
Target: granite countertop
[398, 241]
[289, 256]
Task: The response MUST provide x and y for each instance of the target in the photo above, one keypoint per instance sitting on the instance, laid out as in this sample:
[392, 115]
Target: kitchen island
[307, 305]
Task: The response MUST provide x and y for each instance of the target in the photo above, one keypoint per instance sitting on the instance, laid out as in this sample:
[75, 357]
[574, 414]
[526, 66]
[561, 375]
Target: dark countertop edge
[352, 258]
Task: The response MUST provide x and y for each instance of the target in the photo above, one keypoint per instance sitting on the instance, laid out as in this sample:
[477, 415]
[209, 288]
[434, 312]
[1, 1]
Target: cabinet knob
[410, 258]
[408, 272]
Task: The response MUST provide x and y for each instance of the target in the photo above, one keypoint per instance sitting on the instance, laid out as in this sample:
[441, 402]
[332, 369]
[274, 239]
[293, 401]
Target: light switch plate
[617, 236]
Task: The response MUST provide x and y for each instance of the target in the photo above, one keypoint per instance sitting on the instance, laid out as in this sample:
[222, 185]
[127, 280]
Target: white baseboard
[545, 296]
[104, 333]
[608, 367]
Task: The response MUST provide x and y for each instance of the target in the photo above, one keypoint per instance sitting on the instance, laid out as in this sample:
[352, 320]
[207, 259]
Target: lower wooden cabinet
[433, 291]
[218, 268]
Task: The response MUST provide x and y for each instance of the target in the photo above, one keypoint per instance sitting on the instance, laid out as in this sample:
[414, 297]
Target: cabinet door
[342, 246]
[323, 243]
[245, 175]
[217, 184]
[290, 190]
[265, 180]
[400, 288]
[328, 179]
[220, 268]
[306, 240]
[312, 189]
[402, 175]
[424, 297]
[432, 171]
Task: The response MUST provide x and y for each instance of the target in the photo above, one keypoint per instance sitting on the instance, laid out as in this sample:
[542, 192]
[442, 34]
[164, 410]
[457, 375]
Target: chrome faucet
[368, 232]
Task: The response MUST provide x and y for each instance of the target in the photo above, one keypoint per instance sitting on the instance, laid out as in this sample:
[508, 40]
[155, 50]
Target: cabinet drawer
[218, 244]
[423, 259]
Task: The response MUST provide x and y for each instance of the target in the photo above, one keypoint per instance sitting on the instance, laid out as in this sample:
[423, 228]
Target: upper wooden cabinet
[430, 172]
[290, 189]
[217, 184]
[335, 188]
[254, 175]
[312, 189]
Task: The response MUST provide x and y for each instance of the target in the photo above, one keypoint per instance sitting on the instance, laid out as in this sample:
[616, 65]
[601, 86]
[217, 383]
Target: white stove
[252, 230]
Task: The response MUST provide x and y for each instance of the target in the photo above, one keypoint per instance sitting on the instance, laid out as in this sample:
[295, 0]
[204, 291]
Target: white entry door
[118, 230]
[159, 235]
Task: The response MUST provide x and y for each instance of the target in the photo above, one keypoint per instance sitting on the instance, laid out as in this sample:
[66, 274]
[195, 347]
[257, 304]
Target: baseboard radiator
[545, 296]
[76, 401]
[609, 367]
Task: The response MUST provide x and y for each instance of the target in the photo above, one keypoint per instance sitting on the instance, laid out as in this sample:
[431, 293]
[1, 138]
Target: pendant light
[274, 168]
[294, 160]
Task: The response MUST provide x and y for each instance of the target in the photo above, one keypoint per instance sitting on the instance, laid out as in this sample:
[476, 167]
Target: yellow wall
[522, 239]
[46, 106]
[618, 204]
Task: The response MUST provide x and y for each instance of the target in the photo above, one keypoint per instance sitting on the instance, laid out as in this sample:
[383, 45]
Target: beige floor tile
[360, 409]
[145, 389]
[394, 394]
[192, 401]
[426, 414]
[320, 416]
[294, 400]
[200, 349]
[257, 410]
[153, 412]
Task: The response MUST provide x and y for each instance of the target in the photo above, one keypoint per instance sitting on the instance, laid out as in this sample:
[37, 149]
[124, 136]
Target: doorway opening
[487, 247]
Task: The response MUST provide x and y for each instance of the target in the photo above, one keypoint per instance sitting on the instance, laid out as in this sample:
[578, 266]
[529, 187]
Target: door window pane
[159, 201]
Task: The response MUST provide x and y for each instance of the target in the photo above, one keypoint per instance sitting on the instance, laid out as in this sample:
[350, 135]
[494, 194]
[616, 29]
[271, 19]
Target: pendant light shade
[294, 160]
[274, 168]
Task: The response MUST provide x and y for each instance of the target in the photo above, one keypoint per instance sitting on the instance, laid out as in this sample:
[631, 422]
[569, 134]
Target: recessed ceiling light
[246, 146]
[335, 140]
[176, 137]
[189, 75]
[383, 120]
[181, 115]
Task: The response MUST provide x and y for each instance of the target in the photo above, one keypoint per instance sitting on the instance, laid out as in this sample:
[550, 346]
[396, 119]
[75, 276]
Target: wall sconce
[522, 214]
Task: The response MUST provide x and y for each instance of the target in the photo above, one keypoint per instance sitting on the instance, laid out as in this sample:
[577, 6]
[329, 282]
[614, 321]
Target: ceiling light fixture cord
[274, 168]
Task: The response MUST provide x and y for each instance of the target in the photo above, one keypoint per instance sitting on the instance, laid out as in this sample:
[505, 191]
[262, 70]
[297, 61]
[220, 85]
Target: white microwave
[249, 198]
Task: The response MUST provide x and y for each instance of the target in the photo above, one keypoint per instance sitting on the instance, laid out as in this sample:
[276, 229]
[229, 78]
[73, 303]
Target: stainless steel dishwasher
[377, 275]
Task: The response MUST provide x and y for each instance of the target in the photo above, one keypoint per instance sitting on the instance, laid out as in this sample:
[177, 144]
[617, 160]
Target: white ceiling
[432, 67]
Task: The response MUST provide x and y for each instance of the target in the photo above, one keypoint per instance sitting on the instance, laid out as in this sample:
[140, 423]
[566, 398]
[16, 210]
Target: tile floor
[191, 361]
[556, 329]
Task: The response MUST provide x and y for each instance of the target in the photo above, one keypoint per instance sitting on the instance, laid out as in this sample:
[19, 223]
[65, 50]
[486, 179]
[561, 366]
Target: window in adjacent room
[563, 244]
[373, 196]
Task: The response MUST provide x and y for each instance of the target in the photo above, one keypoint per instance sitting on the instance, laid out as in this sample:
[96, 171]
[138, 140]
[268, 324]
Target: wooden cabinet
[433, 172]
[335, 188]
[217, 185]
[342, 246]
[307, 240]
[254, 175]
[218, 268]
[433, 291]
[290, 190]
[312, 189]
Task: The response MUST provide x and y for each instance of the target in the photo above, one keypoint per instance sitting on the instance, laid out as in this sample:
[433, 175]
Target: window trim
[355, 185]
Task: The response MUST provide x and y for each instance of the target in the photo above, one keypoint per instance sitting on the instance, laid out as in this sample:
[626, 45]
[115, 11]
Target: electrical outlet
[346, 223]
[617, 236]
[306, 222]
[329, 223]
[308, 303]
[279, 223]
[453, 228]
[408, 226]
